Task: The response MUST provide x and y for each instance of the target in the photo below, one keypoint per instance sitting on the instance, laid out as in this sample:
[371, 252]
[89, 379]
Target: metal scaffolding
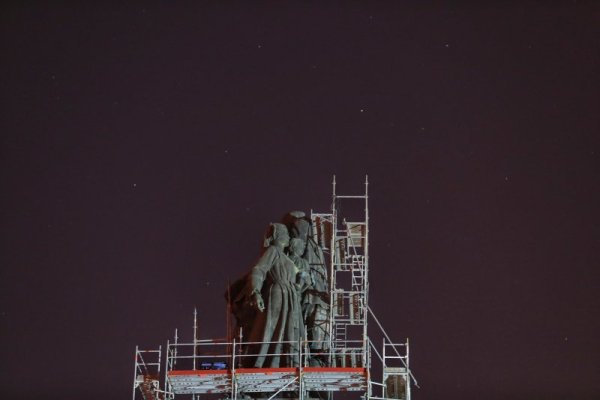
[214, 367]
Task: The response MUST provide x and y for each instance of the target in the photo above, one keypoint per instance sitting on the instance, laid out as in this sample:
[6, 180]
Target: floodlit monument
[302, 329]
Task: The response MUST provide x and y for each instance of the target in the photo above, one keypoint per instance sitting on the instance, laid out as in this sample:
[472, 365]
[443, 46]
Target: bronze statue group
[283, 301]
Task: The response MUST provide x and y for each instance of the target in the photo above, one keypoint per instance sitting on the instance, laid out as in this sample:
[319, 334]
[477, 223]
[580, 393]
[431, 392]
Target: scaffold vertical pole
[195, 339]
[366, 273]
[135, 372]
[167, 387]
[332, 251]
[383, 365]
[159, 359]
[300, 372]
[175, 349]
[408, 370]
[232, 369]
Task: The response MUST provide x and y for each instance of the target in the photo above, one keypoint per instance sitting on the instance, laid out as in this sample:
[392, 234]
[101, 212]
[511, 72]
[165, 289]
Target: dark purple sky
[146, 147]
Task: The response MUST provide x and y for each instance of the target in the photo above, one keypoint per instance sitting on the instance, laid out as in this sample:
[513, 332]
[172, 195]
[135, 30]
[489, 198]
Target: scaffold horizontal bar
[199, 372]
[334, 369]
[267, 371]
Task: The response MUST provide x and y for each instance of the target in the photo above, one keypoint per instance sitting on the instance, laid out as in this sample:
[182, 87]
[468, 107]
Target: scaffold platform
[249, 380]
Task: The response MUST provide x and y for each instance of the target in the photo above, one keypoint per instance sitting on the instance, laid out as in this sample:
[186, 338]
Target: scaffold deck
[248, 380]
[200, 381]
[335, 379]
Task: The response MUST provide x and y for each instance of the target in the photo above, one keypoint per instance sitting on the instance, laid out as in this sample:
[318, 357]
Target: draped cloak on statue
[274, 276]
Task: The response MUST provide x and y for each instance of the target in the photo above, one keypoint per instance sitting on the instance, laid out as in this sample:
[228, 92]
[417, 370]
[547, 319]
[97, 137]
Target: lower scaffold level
[267, 380]
[213, 368]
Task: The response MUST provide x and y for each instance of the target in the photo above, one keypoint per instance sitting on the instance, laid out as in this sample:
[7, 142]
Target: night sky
[145, 149]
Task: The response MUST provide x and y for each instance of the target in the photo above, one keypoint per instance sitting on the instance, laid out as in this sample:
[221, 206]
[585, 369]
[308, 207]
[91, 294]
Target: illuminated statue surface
[283, 299]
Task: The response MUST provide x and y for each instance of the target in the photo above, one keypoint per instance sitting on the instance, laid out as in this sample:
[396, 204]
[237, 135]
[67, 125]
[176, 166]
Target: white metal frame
[146, 375]
[348, 255]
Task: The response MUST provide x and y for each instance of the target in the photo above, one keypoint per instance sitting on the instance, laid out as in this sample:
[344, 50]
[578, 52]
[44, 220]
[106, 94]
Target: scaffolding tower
[214, 367]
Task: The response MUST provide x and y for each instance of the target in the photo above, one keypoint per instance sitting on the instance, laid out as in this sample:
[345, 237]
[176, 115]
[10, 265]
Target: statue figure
[272, 288]
[283, 295]
[315, 299]
[296, 250]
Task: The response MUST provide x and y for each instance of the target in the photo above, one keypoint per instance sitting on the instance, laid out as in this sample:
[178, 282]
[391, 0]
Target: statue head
[300, 229]
[278, 235]
[297, 214]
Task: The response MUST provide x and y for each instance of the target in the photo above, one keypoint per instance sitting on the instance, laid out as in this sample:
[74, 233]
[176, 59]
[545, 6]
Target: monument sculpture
[284, 298]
